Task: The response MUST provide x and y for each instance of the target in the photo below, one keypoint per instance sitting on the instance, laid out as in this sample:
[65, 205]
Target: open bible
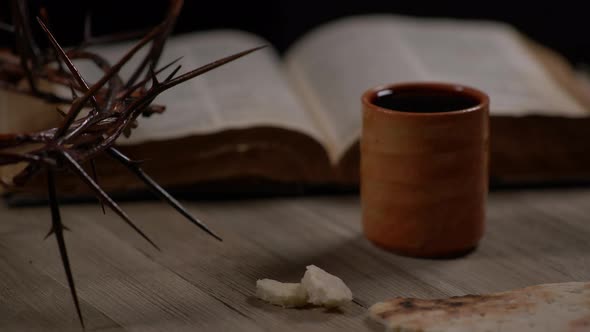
[296, 119]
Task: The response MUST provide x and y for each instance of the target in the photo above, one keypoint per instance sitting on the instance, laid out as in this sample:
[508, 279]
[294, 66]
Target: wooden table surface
[198, 284]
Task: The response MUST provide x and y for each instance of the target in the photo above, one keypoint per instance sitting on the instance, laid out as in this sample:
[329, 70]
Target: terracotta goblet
[424, 167]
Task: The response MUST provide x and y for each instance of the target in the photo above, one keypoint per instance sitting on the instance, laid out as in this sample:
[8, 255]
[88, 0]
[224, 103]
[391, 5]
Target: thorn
[51, 231]
[106, 199]
[73, 70]
[77, 107]
[62, 113]
[171, 76]
[25, 45]
[203, 69]
[130, 90]
[95, 177]
[159, 191]
[155, 81]
[57, 227]
[73, 91]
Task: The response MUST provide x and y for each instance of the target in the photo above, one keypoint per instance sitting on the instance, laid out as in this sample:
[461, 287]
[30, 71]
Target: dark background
[561, 25]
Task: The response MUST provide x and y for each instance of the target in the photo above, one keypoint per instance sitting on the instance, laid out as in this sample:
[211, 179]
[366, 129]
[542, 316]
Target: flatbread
[547, 307]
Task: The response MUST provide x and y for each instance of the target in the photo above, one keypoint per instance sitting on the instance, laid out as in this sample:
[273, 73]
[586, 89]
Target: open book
[297, 119]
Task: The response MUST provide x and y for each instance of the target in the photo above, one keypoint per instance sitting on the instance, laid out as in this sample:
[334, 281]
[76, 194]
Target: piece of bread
[283, 294]
[548, 307]
[325, 289]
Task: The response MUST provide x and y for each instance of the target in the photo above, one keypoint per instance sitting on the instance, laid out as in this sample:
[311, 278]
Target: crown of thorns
[97, 115]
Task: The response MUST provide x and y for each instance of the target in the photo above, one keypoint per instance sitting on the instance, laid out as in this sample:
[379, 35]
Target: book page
[332, 66]
[24, 113]
[251, 91]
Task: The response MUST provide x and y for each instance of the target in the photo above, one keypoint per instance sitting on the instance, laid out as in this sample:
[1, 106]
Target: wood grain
[197, 283]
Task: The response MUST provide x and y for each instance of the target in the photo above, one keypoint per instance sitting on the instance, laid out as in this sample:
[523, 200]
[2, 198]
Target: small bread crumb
[287, 295]
[325, 289]
[317, 287]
